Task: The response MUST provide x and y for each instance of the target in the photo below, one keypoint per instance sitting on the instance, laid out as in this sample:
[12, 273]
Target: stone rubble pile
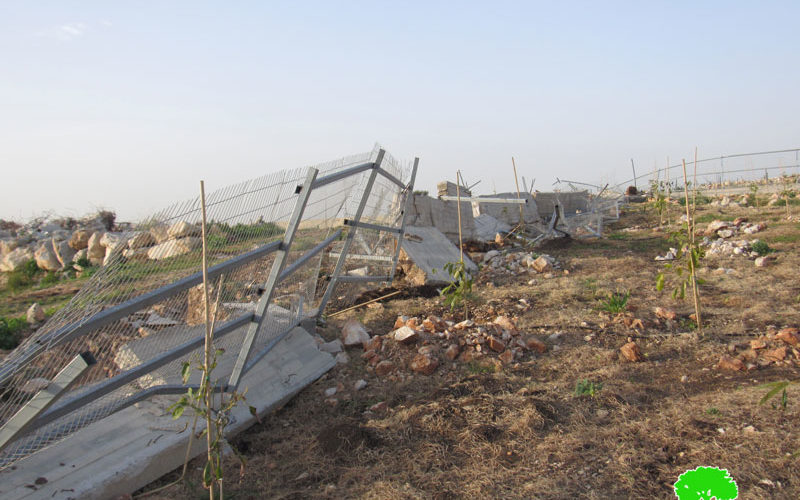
[773, 348]
[718, 238]
[516, 262]
[421, 346]
[59, 245]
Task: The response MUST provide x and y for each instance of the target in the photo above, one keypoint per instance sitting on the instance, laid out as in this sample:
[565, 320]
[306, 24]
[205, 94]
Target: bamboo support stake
[205, 384]
[690, 227]
[521, 211]
[458, 196]
[365, 303]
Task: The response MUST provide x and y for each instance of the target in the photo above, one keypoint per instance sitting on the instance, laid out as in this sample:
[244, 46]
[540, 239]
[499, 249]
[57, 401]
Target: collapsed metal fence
[719, 172]
[279, 248]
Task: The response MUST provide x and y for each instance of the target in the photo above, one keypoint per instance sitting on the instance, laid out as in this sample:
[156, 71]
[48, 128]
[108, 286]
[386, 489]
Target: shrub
[30, 269]
[9, 330]
[586, 388]
[616, 302]
[49, 279]
[17, 281]
[761, 247]
[84, 262]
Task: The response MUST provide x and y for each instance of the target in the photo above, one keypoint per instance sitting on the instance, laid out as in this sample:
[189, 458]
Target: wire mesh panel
[142, 314]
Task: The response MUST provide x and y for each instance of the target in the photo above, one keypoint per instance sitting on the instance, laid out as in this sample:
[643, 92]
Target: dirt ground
[480, 427]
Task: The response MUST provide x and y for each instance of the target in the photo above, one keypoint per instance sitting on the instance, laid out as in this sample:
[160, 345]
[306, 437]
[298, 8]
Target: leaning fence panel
[141, 313]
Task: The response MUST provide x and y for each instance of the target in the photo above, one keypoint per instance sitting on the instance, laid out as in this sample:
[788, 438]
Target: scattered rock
[758, 344]
[360, 384]
[342, 358]
[15, 259]
[332, 347]
[541, 264]
[775, 355]
[400, 322]
[379, 407]
[507, 356]
[730, 364]
[424, 364]
[452, 352]
[384, 368]
[354, 333]
[762, 261]
[790, 335]
[330, 392]
[35, 314]
[534, 344]
[631, 352]
[495, 344]
[667, 314]
[507, 324]
[35, 385]
[405, 335]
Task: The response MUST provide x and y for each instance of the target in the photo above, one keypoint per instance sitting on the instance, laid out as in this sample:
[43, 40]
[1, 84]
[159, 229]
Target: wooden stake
[205, 383]
[690, 226]
[365, 303]
[521, 211]
[458, 200]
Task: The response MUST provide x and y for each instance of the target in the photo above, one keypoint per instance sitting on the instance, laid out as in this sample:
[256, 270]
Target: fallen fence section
[140, 317]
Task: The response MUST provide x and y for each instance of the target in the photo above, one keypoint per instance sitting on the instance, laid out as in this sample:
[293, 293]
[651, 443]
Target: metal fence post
[272, 280]
[350, 234]
[45, 398]
[407, 205]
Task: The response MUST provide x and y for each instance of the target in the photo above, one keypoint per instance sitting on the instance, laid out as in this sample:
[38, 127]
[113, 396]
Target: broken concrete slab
[135, 446]
[425, 252]
[425, 211]
[486, 227]
[509, 213]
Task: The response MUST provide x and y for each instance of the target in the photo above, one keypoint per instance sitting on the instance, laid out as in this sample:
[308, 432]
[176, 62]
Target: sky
[128, 105]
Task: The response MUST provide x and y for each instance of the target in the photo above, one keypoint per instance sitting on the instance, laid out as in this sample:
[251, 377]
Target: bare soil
[481, 428]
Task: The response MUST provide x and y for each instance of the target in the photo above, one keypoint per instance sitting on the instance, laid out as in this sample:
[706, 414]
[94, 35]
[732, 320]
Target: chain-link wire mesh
[248, 218]
[720, 173]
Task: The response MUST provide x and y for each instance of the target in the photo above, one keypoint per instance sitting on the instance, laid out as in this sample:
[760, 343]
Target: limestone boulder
[8, 245]
[95, 251]
[46, 258]
[114, 244]
[160, 233]
[15, 259]
[173, 248]
[79, 239]
[183, 229]
[64, 252]
[35, 314]
[141, 240]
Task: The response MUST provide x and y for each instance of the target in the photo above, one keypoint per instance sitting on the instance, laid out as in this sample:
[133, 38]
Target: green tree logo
[706, 483]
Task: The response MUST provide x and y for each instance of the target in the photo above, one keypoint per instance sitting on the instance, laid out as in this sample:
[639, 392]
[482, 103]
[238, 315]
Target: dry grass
[522, 432]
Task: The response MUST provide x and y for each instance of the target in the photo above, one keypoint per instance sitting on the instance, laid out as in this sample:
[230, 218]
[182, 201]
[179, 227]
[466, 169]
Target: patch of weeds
[786, 238]
[687, 324]
[711, 217]
[776, 388]
[477, 368]
[618, 236]
[9, 331]
[615, 303]
[586, 388]
[761, 247]
[713, 411]
[84, 262]
[50, 278]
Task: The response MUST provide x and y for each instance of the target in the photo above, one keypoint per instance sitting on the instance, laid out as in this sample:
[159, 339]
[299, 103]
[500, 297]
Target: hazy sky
[127, 105]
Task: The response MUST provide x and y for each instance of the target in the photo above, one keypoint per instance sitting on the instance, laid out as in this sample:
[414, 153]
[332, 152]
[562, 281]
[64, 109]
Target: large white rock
[35, 314]
[173, 248]
[8, 245]
[64, 252]
[183, 229]
[354, 333]
[141, 240]
[160, 233]
[95, 251]
[79, 239]
[15, 259]
[46, 258]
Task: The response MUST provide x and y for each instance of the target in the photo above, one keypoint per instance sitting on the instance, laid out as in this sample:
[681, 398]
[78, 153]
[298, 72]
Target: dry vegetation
[483, 429]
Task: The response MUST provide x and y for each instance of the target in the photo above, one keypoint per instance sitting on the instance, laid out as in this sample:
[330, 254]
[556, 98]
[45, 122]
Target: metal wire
[165, 248]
